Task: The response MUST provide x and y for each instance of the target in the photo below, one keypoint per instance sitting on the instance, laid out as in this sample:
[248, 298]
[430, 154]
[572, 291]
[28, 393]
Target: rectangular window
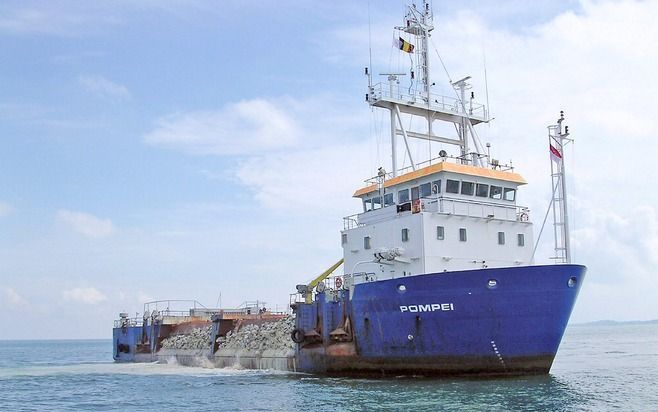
[414, 193]
[520, 239]
[388, 199]
[343, 238]
[425, 189]
[482, 190]
[367, 206]
[509, 194]
[496, 192]
[403, 196]
[405, 235]
[436, 187]
[468, 188]
[462, 234]
[366, 242]
[452, 186]
[376, 203]
[440, 233]
[501, 238]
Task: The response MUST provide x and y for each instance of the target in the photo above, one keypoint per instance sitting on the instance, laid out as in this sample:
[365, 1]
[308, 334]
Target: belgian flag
[404, 45]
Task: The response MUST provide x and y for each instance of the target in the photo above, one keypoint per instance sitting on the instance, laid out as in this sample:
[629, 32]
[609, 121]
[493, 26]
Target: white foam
[169, 368]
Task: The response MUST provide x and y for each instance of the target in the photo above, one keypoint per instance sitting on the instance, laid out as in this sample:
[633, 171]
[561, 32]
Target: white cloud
[103, 87]
[90, 296]
[311, 181]
[245, 127]
[87, 224]
[5, 209]
[14, 298]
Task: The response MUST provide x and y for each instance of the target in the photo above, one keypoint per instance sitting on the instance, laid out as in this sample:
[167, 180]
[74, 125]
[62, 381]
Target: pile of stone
[196, 339]
[267, 336]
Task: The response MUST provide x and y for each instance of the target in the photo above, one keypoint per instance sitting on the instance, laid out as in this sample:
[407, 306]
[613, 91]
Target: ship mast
[421, 102]
[557, 139]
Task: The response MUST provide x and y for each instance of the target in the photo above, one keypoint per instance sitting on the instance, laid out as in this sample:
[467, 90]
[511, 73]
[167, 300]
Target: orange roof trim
[446, 167]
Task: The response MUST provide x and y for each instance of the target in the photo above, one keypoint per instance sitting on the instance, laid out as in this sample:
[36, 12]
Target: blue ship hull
[452, 323]
[135, 343]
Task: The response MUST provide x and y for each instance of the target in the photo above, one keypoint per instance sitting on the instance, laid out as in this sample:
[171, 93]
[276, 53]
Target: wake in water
[171, 367]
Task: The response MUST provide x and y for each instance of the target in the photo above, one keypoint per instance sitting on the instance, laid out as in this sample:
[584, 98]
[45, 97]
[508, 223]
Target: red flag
[554, 152]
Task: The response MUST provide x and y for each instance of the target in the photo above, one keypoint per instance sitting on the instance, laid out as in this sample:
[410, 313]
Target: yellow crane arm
[308, 296]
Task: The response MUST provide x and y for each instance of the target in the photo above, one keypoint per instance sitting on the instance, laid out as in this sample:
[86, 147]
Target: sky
[198, 149]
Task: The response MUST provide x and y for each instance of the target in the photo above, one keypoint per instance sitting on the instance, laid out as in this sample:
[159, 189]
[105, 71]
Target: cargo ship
[439, 274]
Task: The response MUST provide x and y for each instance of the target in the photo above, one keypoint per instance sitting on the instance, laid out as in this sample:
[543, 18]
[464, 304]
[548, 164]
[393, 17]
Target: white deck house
[442, 217]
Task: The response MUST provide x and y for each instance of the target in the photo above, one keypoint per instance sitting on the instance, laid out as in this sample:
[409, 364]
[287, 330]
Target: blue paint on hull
[444, 323]
[132, 342]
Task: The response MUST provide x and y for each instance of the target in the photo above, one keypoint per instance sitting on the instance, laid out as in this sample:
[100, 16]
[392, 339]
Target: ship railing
[467, 159]
[445, 205]
[351, 222]
[362, 277]
[331, 284]
[173, 307]
[296, 298]
[474, 208]
[129, 322]
[437, 102]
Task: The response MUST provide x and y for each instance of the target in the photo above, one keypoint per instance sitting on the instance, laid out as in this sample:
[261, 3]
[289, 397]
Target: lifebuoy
[523, 217]
[297, 335]
[338, 282]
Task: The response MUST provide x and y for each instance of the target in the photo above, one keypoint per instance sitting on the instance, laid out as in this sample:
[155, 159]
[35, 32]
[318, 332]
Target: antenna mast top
[418, 101]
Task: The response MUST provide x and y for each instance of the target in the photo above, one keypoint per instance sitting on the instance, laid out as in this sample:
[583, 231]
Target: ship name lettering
[430, 307]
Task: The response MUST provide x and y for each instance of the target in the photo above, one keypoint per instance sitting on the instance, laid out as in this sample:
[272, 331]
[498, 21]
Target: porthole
[573, 281]
[402, 288]
[492, 283]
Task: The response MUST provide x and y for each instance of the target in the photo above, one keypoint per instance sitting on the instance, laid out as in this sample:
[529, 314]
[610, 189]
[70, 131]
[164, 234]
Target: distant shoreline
[617, 323]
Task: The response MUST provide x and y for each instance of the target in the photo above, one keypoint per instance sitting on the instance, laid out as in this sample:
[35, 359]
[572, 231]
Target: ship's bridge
[443, 187]
[444, 216]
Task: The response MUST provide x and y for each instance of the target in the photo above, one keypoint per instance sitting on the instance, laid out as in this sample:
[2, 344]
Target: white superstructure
[449, 213]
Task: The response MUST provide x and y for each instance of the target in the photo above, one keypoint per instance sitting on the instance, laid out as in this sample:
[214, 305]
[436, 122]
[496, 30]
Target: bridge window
[509, 194]
[440, 233]
[496, 192]
[520, 239]
[367, 206]
[425, 189]
[436, 187]
[501, 238]
[414, 193]
[405, 234]
[452, 186]
[376, 202]
[343, 238]
[366, 242]
[462, 234]
[468, 188]
[482, 190]
[388, 199]
[403, 196]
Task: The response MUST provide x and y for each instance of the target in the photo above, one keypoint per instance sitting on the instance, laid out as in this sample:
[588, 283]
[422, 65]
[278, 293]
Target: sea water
[597, 368]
